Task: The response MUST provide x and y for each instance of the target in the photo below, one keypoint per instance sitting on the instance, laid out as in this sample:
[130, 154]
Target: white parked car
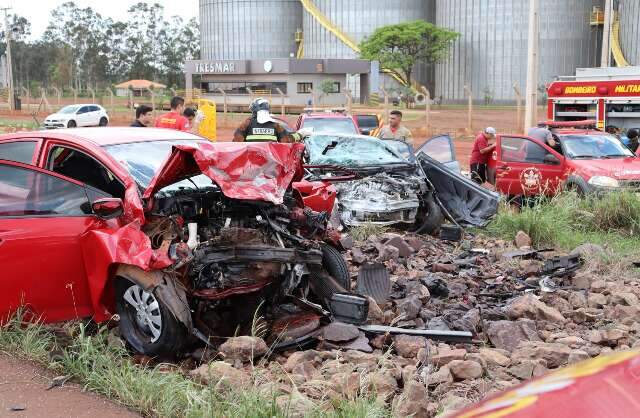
[77, 115]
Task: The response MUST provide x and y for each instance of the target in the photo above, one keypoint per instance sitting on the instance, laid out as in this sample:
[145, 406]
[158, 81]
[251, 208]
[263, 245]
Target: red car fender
[105, 249]
[317, 195]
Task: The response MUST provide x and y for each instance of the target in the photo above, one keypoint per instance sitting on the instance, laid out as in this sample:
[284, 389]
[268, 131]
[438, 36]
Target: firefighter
[261, 127]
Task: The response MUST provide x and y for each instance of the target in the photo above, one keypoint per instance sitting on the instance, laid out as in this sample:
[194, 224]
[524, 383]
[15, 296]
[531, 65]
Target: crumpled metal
[245, 171]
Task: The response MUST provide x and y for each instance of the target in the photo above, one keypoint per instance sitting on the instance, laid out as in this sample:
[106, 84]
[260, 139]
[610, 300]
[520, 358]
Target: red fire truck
[611, 96]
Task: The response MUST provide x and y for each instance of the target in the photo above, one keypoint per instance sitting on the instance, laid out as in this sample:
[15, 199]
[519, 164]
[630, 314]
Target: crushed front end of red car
[208, 261]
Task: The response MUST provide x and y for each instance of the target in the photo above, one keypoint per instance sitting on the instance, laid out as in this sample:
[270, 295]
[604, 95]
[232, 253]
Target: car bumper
[54, 125]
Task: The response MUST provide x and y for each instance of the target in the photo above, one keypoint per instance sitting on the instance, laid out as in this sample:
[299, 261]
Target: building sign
[216, 67]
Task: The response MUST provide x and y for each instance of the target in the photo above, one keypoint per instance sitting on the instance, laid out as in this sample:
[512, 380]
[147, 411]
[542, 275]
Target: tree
[399, 47]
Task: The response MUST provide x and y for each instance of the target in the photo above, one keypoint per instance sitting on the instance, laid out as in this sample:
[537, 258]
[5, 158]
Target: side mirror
[551, 159]
[108, 208]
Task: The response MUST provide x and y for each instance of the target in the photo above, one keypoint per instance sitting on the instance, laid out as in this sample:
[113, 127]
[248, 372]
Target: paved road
[23, 385]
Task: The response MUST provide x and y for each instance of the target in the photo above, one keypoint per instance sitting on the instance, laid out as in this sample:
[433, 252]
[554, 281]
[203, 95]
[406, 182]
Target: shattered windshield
[331, 125]
[593, 146]
[351, 151]
[143, 159]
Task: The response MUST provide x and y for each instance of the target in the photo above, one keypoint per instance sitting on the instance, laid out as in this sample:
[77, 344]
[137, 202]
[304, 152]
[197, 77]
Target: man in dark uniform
[261, 127]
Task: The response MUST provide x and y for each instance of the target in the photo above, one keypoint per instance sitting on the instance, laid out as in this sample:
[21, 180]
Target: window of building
[336, 87]
[240, 87]
[305, 88]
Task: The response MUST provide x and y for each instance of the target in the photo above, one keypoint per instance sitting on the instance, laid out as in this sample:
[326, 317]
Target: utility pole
[531, 101]
[606, 34]
[7, 36]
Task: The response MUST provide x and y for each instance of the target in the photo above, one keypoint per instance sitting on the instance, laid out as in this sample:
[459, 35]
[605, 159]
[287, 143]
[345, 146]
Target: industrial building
[322, 36]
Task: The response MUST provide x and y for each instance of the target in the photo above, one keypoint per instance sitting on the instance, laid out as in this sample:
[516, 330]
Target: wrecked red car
[179, 237]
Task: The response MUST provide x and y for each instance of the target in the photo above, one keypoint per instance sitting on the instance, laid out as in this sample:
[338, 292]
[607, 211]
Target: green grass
[566, 221]
[364, 231]
[24, 124]
[163, 390]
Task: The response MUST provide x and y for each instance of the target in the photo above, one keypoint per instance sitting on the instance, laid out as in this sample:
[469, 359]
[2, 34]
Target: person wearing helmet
[261, 127]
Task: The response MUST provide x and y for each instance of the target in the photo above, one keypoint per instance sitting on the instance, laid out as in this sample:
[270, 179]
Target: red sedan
[187, 224]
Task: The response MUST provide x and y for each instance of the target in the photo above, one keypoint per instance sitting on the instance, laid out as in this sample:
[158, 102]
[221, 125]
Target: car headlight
[604, 181]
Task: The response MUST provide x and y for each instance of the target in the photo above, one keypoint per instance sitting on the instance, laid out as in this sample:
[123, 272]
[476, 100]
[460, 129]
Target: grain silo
[329, 26]
[249, 29]
[491, 53]
[629, 13]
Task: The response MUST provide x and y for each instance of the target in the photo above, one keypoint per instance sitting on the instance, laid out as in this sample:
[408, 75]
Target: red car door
[42, 216]
[526, 167]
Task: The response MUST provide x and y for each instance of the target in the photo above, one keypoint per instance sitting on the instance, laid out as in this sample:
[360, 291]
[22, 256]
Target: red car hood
[605, 386]
[622, 168]
[247, 171]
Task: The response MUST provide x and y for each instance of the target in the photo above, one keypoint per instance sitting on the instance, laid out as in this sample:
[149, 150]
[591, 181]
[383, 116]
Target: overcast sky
[39, 11]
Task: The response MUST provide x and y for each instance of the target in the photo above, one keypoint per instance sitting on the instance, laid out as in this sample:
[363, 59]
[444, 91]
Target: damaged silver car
[376, 182]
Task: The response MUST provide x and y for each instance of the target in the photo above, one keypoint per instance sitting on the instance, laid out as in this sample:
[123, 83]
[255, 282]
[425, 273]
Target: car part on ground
[468, 203]
[374, 281]
[437, 335]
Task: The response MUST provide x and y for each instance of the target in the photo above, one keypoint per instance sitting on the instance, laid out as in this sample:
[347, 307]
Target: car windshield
[593, 147]
[367, 121]
[331, 125]
[143, 159]
[69, 109]
[351, 151]
[402, 148]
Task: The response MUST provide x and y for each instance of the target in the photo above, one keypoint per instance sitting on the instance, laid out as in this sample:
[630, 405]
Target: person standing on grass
[144, 117]
[482, 149]
[174, 119]
[394, 130]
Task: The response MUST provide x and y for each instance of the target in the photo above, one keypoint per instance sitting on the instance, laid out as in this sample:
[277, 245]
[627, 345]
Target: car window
[356, 151]
[83, 109]
[331, 125]
[522, 150]
[21, 151]
[439, 148]
[80, 166]
[367, 121]
[25, 192]
[93, 108]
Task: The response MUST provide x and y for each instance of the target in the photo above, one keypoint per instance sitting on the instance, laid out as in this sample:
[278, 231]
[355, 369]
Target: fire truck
[610, 95]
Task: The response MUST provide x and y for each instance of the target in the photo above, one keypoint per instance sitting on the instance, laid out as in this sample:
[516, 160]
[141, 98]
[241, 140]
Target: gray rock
[507, 335]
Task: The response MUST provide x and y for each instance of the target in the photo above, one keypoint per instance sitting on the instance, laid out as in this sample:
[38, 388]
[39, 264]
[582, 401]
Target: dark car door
[42, 217]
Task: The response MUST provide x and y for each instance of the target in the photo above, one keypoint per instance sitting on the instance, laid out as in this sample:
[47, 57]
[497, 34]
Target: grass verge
[566, 221]
[163, 390]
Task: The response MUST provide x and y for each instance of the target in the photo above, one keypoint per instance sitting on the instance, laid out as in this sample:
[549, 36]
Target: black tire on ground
[579, 186]
[103, 121]
[71, 124]
[430, 217]
[335, 264]
[172, 334]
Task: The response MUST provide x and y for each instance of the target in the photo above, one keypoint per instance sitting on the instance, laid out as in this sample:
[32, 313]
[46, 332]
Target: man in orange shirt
[174, 119]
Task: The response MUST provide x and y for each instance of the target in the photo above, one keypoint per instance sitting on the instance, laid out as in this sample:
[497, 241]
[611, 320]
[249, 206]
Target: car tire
[430, 217]
[146, 323]
[335, 264]
[579, 186]
[103, 121]
[71, 124]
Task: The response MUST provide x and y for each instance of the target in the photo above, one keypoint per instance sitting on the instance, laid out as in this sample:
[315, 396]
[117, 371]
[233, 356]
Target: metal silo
[629, 12]
[357, 19]
[491, 53]
[249, 29]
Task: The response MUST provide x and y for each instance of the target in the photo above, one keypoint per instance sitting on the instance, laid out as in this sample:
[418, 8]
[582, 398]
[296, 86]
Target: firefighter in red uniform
[174, 119]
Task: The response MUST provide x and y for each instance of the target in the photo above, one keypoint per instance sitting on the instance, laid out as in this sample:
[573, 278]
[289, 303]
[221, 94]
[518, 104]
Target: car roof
[103, 136]
[322, 115]
[84, 104]
[571, 131]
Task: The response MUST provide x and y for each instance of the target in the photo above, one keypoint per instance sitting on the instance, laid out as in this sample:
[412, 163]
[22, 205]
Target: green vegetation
[399, 47]
[107, 368]
[364, 231]
[566, 221]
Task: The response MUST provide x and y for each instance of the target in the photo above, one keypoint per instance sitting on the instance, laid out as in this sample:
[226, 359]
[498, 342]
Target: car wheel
[71, 124]
[579, 186]
[430, 217]
[103, 121]
[335, 264]
[146, 323]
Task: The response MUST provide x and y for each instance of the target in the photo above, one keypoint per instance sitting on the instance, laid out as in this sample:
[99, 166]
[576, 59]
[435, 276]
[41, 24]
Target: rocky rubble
[522, 329]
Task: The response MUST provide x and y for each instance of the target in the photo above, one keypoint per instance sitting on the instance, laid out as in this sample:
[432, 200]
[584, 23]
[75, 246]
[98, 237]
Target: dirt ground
[23, 393]
[452, 121]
